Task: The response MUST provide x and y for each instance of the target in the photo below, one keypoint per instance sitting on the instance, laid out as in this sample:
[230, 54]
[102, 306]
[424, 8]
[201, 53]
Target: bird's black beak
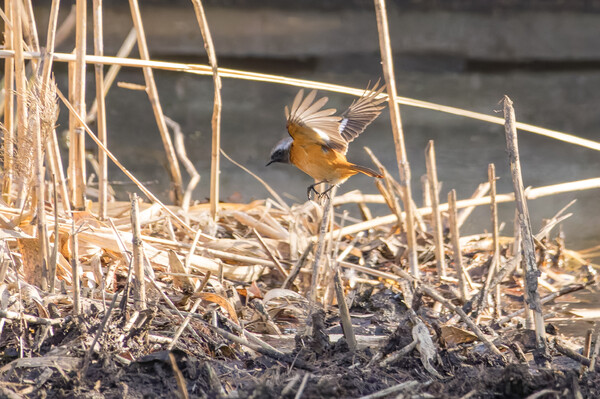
[270, 162]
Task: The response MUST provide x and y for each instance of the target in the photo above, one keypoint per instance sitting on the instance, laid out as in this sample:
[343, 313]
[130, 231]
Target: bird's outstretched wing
[361, 112]
[308, 122]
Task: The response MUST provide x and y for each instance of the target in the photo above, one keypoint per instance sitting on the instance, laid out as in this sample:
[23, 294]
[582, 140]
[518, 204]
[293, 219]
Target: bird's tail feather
[366, 171]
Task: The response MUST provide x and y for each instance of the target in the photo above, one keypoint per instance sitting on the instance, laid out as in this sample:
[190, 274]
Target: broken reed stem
[495, 264]
[403, 165]
[75, 271]
[458, 264]
[78, 143]
[216, 118]
[9, 103]
[101, 106]
[531, 271]
[436, 218]
[54, 255]
[20, 87]
[596, 350]
[152, 91]
[139, 286]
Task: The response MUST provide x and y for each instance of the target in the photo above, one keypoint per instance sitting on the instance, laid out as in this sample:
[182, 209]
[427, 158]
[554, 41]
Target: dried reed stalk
[200, 69]
[403, 165]
[139, 287]
[9, 76]
[314, 283]
[78, 144]
[438, 237]
[216, 118]
[178, 138]
[531, 271]
[52, 150]
[458, 263]
[152, 91]
[101, 119]
[20, 87]
[344, 312]
[495, 236]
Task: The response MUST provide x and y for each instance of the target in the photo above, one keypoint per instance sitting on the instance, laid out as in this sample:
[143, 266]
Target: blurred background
[467, 54]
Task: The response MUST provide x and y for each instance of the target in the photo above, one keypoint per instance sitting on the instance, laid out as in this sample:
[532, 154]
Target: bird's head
[281, 151]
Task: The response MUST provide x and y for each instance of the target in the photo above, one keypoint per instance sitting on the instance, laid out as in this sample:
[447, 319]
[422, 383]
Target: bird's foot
[312, 189]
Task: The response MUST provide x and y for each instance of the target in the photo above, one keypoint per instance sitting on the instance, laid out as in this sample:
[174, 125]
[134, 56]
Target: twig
[179, 378]
[151, 90]
[302, 386]
[88, 355]
[183, 325]
[403, 165]
[7, 314]
[263, 244]
[216, 118]
[299, 264]
[438, 237]
[531, 273]
[404, 386]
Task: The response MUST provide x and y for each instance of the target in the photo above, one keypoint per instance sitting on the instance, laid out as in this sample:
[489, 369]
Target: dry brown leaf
[221, 301]
[455, 335]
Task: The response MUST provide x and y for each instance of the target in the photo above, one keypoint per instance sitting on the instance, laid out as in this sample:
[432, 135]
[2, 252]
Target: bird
[319, 140]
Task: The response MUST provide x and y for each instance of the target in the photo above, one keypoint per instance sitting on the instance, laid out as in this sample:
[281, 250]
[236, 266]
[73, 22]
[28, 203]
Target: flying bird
[319, 140]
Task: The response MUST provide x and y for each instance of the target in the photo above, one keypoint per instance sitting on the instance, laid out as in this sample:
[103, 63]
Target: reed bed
[85, 285]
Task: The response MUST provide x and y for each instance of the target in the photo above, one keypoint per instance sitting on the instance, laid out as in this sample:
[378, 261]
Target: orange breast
[320, 163]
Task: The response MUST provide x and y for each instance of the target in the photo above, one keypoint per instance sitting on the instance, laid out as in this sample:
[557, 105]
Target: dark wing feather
[361, 113]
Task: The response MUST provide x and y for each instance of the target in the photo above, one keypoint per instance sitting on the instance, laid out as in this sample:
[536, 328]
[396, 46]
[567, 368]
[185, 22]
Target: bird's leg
[312, 188]
[326, 192]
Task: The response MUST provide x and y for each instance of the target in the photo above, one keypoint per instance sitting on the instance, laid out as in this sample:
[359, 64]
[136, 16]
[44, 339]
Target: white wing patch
[343, 124]
[322, 134]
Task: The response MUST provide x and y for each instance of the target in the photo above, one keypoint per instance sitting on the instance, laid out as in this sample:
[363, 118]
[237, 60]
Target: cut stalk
[78, 143]
[403, 166]
[436, 218]
[531, 271]
[9, 77]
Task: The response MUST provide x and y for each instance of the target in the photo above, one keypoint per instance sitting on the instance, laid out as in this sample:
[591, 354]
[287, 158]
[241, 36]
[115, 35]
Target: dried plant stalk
[139, 287]
[152, 91]
[216, 118]
[75, 271]
[9, 76]
[438, 237]
[458, 262]
[78, 144]
[403, 165]
[101, 106]
[531, 271]
[495, 265]
[20, 87]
